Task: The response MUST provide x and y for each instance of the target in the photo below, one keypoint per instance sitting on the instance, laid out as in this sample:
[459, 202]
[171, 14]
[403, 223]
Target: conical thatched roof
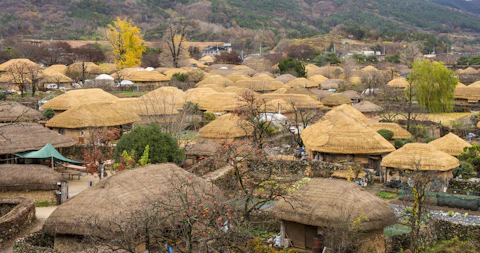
[239, 67]
[459, 71]
[237, 77]
[213, 87]
[470, 71]
[16, 112]
[330, 203]
[207, 59]
[146, 106]
[21, 137]
[301, 101]
[470, 93]
[91, 67]
[369, 68]
[141, 75]
[398, 131]
[336, 99]
[264, 76]
[239, 90]
[285, 78]
[78, 97]
[399, 82]
[100, 114]
[206, 147]
[277, 105]
[318, 79]
[351, 94]
[28, 177]
[4, 66]
[474, 84]
[167, 95]
[57, 68]
[367, 106]
[349, 111]
[216, 79]
[227, 126]
[339, 133]
[312, 69]
[331, 84]
[260, 86]
[302, 82]
[219, 102]
[426, 156]
[322, 93]
[450, 144]
[302, 90]
[355, 80]
[169, 73]
[459, 84]
[193, 95]
[56, 78]
[114, 197]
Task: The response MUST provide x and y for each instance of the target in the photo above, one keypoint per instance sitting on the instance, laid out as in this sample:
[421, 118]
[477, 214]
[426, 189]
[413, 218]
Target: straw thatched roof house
[450, 144]
[193, 95]
[170, 72]
[318, 79]
[259, 85]
[355, 80]
[325, 204]
[143, 79]
[419, 156]
[16, 112]
[116, 197]
[21, 137]
[302, 82]
[285, 78]
[474, 84]
[78, 97]
[216, 79]
[4, 66]
[338, 136]
[59, 79]
[369, 68]
[459, 84]
[149, 110]
[32, 181]
[225, 127]
[312, 69]
[321, 94]
[239, 90]
[76, 121]
[90, 67]
[331, 84]
[213, 87]
[56, 68]
[368, 108]
[398, 131]
[469, 95]
[400, 83]
[199, 151]
[336, 99]
[169, 96]
[349, 111]
[352, 95]
[278, 106]
[301, 90]
[264, 76]
[237, 77]
[207, 59]
[470, 71]
[459, 71]
[301, 101]
[219, 102]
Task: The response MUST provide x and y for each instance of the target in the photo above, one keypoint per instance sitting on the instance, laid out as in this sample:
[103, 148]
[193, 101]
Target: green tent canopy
[48, 151]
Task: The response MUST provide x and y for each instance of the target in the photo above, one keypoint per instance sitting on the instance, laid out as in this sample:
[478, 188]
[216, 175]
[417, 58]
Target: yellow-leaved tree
[126, 42]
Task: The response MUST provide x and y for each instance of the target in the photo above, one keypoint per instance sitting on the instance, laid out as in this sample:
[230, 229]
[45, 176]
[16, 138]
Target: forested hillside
[464, 5]
[238, 21]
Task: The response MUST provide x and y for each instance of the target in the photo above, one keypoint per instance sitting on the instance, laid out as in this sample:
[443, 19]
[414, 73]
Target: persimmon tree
[126, 42]
[97, 148]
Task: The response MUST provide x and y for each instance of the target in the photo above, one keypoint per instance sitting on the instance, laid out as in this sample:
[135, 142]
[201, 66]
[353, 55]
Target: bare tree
[175, 38]
[19, 75]
[302, 119]
[411, 53]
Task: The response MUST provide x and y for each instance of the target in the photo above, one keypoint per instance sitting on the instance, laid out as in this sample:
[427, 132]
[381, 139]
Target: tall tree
[176, 42]
[126, 42]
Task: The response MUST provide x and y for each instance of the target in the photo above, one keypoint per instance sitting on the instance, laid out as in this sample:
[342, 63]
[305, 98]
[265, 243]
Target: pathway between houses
[456, 217]
[212, 176]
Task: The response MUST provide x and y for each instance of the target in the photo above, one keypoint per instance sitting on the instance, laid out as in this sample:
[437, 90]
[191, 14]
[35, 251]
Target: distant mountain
[240, 21]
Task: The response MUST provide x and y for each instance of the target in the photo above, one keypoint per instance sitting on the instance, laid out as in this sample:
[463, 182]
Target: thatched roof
[285, 78]
[312, 69]
[450, 144]
[302, 82]
[339, 133]
[367, 106]
[206, 147]
[277, 105]
[398, 131]
[11, 79]
[57, 68]
[302, 90]
[470, 71]
[351, 94]
[136, 75]
[207, 59]
[345, 174]
[459, 84]
[237, 77]
[213, 87]
[470, 93]
[216, 79]
[355, 80]
[264, 76]
[114, 197]
[331, 84]
[369, 68]
[4, 66]
[50, 77]
[280, 91]
[28, 177]
[169, 73]
[21, 137]
[330, 203]
[399, 82]
[259, 85]
[322, 93]
[227, 126]
[238, 67]
[99, 114]
[426, 156]
[349, 111]
[474, 84]
[239, 90]
[78, 97]
[91, 67]
[193, 95]
[318, 79]
[459, 71]
[146, 106]
[336, 99]
[168, 96]
[16, 112]
[219, 102]
[301, 101]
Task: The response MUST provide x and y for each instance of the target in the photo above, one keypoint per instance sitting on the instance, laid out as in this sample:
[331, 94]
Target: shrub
[3, 96]
[387, 134]
[429, 139]
[48, 113]
[180, 77]
[419, 131]
[208, 116]
[387, 195]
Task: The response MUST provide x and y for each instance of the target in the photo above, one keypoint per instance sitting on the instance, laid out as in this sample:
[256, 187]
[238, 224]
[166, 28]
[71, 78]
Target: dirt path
[217, 174]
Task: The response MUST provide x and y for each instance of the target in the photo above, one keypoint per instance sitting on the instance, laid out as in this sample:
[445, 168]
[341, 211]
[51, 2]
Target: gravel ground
[455, 217]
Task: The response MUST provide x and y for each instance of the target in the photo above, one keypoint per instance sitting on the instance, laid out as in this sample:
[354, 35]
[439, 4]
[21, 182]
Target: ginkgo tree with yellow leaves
[126, 42]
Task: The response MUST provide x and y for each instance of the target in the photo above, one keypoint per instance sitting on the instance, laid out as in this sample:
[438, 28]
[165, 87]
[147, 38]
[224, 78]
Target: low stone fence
[35, 243]
[22, 214]
[464, 186]
[445, 230]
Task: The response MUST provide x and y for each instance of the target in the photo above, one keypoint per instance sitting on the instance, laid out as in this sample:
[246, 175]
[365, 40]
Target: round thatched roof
[349, 111]
[4, 66]
[237, 77]
[470, 71]
[146, 106]
[141, 75]
[398, 131]
[312, 69]
[193, 95]
[264, 76]
[207, 58]
[339, 133]
[318, 79]
[302, 82]
[399, 82]
[285, 78]
[219, 102]
[100, 114]
[322, 93]
[170, 72]
[331, 84]
[56, 68]
[355, 80]
[50, 77]
[427, 156]
[450, 144]
[216, 79]
[459, 84]
[238, 67]
[301, 101]
[213, 87]
[205, 147]
[351, 94]
[115, 196]
[167, 95]
[367, 106]
[474, 84]
[259, 85]
[16, 112]
[459, 71]
[470, 93]
[331, 202]
[239, 90]
[278, 105]
[78, 97]
[28, 177]
[336, 99]
[227, 126]
[91, 67]
[369, 68]
[302, 90]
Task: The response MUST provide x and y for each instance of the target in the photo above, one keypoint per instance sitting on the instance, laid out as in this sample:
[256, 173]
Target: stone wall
[38, 196]
[35, 243]
[445, 230]
[464, 186]
[21, 215]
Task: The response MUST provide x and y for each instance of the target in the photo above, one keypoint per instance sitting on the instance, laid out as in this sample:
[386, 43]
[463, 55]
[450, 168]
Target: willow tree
[126, 42]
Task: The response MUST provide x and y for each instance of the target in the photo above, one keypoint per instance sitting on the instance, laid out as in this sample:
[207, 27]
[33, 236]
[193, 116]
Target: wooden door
[296, 233]
[310, 232]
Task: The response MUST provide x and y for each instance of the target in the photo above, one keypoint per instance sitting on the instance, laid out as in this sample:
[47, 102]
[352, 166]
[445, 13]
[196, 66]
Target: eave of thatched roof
[351, 94]
[470, 93]
[349, 111]
[330, 203]
[336, 99]
[16, 112]
[426, 156]
[216, 79]
[219, 102]
[117, 195]
[28, 177]
[227, 126]
[399, 82]
[301, 101]
[302, 90]
[78, 97]
[331, 84]
[302, 82]
[398, 131]
[20, 137]
[450, 144]
[367, 106]
[203, 148]
[338, 133]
